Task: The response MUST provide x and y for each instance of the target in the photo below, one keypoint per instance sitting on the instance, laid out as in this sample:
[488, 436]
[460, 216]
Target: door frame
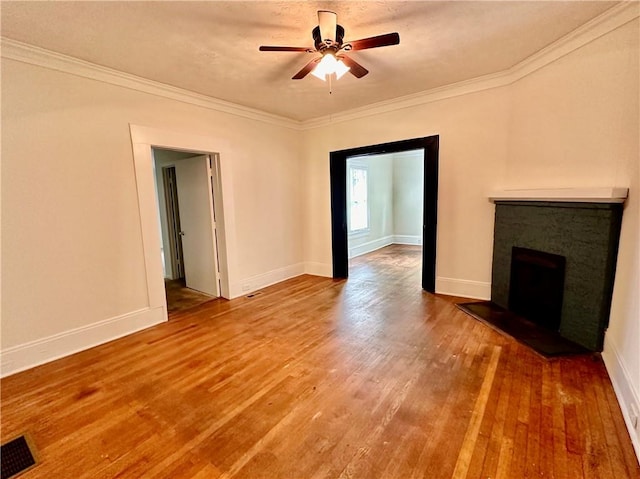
[173, 221]
[338, 179]
[143, 139]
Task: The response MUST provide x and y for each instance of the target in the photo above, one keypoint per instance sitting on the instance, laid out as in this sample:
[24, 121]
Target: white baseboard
[407, 239]
[318, 269]
[464, 288]
[623, 386]
[34, 353]
[259, 281]
[370, 246]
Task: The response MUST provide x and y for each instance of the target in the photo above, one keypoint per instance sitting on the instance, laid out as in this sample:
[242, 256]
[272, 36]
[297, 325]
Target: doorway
[143, 140]
[186, 212]
[384, 204]
[339, 212]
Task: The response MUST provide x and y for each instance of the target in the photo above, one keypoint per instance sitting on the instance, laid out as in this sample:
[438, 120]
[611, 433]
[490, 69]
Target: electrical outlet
[633, 415]
[246, 287]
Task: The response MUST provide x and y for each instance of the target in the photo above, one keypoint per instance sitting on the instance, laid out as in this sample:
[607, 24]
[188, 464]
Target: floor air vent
[16, 457]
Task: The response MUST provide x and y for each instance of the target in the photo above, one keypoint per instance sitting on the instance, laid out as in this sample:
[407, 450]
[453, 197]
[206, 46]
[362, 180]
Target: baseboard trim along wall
[463, 287]
[407, 239]
[623, 387]
[29, 355]
[259, 281]
[318, 269]
[370, 246]
[32, 354]
[376, 244]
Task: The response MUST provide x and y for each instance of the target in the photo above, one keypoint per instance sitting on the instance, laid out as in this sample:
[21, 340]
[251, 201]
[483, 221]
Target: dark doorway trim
[338, 174]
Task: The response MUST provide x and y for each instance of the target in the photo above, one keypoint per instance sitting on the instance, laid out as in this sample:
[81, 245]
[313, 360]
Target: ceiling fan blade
[284, 49]
[355, 68]
[375, 42]
[327, 22]
[306, 69]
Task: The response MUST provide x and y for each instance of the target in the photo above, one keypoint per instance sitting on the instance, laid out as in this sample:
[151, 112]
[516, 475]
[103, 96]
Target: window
[358, 205]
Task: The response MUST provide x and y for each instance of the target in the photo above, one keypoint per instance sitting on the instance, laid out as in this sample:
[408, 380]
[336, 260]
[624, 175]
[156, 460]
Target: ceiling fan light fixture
[328, 66]
[328, 41]
[341, 68]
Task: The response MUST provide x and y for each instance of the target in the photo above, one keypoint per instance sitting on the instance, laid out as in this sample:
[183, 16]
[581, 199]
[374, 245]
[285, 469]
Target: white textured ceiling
[212, 47]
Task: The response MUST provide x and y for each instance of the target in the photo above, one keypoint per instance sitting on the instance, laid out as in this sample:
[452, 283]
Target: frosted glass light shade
[341, 68]
[329, 65]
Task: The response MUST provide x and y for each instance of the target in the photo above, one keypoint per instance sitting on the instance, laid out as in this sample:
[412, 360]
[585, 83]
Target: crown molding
[595, 28]
[606, 22]
[25, 53]
[465, 87]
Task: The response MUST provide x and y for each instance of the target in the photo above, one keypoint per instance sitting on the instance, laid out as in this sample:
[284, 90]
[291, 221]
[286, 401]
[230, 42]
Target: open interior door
[195, 200]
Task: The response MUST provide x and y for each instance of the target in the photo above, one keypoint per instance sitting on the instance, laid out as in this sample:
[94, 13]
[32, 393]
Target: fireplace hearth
[544, 341]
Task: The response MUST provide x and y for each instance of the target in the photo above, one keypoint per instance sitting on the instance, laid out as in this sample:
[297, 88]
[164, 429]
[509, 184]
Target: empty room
[306, 239]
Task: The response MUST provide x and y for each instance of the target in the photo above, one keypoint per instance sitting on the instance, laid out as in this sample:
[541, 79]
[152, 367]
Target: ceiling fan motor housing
[321, 45]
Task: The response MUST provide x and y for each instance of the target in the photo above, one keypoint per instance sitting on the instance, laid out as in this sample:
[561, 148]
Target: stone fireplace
[554, 259]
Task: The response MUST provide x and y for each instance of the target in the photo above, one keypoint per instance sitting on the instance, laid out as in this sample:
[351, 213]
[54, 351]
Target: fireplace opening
[536, 286]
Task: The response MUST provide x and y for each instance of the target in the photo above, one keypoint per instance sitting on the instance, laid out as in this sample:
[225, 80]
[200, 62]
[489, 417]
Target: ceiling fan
[328, 39]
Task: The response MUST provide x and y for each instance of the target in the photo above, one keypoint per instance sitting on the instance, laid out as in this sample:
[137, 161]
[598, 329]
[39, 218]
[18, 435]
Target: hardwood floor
[319, 378]
[179, 297]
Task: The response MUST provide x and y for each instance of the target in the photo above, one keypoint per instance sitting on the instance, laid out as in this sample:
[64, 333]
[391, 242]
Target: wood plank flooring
[179, 297]
[318, 378]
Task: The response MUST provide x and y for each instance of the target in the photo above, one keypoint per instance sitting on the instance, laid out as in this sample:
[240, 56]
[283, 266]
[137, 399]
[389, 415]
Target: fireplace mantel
[575, 195]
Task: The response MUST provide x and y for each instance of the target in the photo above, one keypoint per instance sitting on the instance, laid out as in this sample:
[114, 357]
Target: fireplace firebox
[536, 286]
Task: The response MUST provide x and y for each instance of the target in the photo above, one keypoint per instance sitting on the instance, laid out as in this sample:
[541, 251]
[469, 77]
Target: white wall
[395, 201]
[71, 226]
[408, 191]
[380, 199]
